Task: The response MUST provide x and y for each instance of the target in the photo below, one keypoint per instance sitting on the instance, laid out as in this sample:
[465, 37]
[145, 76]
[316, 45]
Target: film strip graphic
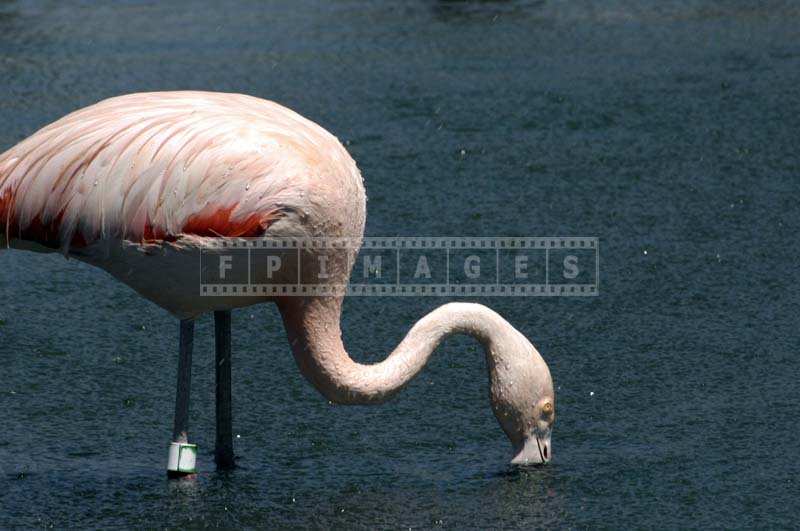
[402, 266]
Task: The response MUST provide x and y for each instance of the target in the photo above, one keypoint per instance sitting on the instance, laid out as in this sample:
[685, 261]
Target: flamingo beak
[534, 450]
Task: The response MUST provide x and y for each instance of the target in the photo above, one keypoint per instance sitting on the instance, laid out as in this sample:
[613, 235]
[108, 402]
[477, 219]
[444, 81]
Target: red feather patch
[214, 223]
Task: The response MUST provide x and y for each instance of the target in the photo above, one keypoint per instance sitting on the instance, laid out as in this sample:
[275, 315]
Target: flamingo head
[523, 400]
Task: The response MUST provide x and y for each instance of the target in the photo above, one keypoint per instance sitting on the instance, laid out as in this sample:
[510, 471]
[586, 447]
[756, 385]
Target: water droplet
[591, 393]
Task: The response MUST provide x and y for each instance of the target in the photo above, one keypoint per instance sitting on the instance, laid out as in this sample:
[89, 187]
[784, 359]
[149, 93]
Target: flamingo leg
[182, 455]
[223, 453]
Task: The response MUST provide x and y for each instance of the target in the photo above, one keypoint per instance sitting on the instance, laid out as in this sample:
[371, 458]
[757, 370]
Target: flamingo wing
[156, 166]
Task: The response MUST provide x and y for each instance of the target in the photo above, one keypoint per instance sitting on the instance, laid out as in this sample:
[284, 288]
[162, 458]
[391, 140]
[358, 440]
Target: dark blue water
[668, 130]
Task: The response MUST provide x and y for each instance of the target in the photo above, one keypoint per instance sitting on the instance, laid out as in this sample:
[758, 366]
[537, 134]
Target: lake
[669, 131]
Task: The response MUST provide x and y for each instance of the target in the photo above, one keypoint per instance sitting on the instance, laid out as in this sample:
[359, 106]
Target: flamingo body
[161, 173]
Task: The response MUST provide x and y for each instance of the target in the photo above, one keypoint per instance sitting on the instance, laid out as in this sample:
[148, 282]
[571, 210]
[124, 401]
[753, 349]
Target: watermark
[437, 266]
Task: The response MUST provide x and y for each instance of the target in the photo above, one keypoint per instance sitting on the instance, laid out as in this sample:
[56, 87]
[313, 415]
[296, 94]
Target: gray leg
[182, 455]
[180, 430]
[223, 454]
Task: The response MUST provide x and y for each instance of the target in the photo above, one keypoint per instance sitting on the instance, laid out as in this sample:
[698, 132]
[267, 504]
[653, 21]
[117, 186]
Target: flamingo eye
[547, 407]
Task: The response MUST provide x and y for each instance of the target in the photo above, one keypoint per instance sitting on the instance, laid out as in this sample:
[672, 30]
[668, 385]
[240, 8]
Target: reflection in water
[525, 495]
[185, 490]
[7, 13]
[457, 10]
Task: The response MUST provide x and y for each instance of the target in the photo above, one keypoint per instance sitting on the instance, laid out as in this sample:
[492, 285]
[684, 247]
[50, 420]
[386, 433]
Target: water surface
[668, 130]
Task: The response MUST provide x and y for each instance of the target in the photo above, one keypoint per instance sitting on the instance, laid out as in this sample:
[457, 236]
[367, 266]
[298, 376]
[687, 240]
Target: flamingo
[138, 185]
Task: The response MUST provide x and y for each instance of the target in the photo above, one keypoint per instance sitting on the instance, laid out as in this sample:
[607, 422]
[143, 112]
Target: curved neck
[313, 327]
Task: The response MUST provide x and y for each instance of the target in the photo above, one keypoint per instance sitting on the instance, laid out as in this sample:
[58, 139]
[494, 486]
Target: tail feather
[6, 207]
[6, 197]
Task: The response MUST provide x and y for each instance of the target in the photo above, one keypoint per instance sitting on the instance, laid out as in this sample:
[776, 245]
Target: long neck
[313, 327]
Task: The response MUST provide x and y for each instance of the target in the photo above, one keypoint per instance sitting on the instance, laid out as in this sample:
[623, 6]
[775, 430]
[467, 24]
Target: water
[670, 129]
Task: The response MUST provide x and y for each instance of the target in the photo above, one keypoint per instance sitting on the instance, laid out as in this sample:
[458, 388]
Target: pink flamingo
[138, 185]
